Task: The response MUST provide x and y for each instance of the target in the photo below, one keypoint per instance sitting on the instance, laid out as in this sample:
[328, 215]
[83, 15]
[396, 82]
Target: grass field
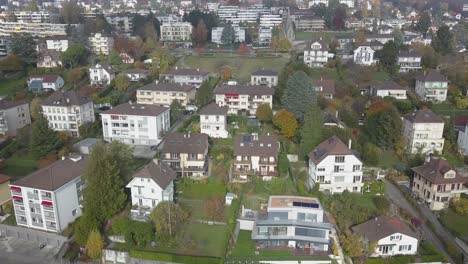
[9, 87]
[210, 239]
[242, 67]
[457, 224]
[19, 166]
[447, 109]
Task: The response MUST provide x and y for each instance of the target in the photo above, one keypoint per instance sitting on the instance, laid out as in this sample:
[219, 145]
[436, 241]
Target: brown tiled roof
[245, 89]
[4, 178]
[214, 109]
[185, 71]
[435, 169]
[68, 98]
[431, 76]
[331, 146]
[461, 120]
[387, 85]
[250, 145]
[54, 54]
[177, 142]
[171, 87]
[45, 77]
[328, 86]
[136, 109]
[160, 173]
[265, 73]
[7, 104]
[136, 71]
[381, 227]
[324, 46]
[55, 175]
[423, 116]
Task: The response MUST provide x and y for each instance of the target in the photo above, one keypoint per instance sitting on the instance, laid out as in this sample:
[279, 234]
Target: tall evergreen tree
[204, 94]
[312, 130]
[383, 127]
[443, 41]
[43, 139]
[424, 23]
[299, 95]
[22, 45]
[228, 36]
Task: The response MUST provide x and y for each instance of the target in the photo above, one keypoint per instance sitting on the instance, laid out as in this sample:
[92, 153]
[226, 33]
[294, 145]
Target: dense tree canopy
[424, 23]
[299, 95]
[43, 139]
[169, 218]
[228, 36]
[76, 54]
[23, 46]
[264, 112]
[383, 125]
[200, 34]
[387, 55]
[443, 41]
[286, 122]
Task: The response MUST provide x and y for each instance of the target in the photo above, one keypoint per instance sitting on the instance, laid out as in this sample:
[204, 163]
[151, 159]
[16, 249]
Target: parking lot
[13, 250]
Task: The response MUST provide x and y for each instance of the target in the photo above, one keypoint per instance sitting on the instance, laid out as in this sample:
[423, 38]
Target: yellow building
[5, 195]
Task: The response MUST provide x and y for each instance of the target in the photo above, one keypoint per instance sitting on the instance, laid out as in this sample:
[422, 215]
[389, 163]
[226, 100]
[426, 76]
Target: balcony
[46, 198]
[33, 196]
[36, 224]
[51, 226]
[49, 217]
[21, 220]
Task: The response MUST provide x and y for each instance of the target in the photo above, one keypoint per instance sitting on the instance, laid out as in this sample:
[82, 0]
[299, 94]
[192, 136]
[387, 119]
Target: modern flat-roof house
[45, 82]
[436, 182]
[294, 222]
[388, 88]
[186, 76]
[49, 198]
[101, 43]
[335, 167]
[213, 121]
[164, 93]
[67, 111]
[316, 53]
[264, 77]
[101, 74]
[152, 184]
[135, 75]
[423, 131]
[256, 156]
[325, 88]
[409, 61]
[432, 86]
[58, 43]
[393, 236]
[176, 32]
[13, 116]
[136, 124]
[243, 98]
[5, 195]
[186, 153]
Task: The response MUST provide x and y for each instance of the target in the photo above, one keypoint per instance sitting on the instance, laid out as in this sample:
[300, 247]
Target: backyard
[455, 223]
[9, 87]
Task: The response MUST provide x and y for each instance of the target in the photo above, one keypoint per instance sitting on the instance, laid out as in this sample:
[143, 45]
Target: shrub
[382, 204]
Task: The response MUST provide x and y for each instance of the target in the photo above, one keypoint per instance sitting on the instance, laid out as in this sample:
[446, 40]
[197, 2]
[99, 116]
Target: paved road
[394, 194]
[17, 251]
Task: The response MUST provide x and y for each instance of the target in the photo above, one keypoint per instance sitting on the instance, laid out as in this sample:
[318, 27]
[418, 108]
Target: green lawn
[9, 87]
[448, 109]
[210, 240]
[457, 224]
[198, 190]
[242, 67]
[19, 166]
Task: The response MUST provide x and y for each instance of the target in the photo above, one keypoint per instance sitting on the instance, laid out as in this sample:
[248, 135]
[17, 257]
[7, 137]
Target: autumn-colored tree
[280, 44]
[243, 49]
[264, 112]
[10, 63]
[122, 82]
[460, 205]
[376, 8]
[360, 37]
[286, 122]
[214, 209]
[226, 73]
[94, 245]
[200, 34]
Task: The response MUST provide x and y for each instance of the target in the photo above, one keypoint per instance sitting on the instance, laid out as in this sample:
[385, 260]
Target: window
[356, 168]
[320, 169]
[74, 212]
[339, 159]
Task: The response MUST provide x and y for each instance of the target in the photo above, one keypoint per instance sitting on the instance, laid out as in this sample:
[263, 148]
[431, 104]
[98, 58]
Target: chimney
[188, 134]
[349, 143]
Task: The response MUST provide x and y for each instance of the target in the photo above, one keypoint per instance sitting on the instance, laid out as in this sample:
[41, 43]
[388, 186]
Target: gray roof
[106, 67]
[136, 109]
[250, 145]
[434, 172]
[265, 73]
[331, 146]
[381, 227]
[328, 86]
[408, 54]
[136, 71]
[431, 76]
[68, 98]
[172, 87]
[185, 71]
[214, 109]
[177, 142]
[424, 116]
[245, 89]
[55, 175]
[162, 174]
[323, 44]
[7, 104]
[387, 85]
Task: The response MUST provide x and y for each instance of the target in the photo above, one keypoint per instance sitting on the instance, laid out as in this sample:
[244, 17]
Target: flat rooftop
[293, 201]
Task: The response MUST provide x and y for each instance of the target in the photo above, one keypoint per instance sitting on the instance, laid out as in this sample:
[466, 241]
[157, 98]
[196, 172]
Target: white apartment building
[4, 47]
[393, 236]
[101, 74]
[432, 86]
[121, 22]
[265, 34]
[32, 17]
[236, 14]
[13, 116]
[101, 43]
[423, 131]
[264, 77]
[388, 88]
[243, 98]
[317, 2]
[270, 20]
[50, 198]
[213, 121]
[187, 76]
[67, 111]
[316, 53]
[335, 167]
[462, 139]
[409, 61]
[41, 30]
[164, 93]
[176, 32]
[217, 32]
[136, 124]
[364, 55]
[57, 43]
[152, 184]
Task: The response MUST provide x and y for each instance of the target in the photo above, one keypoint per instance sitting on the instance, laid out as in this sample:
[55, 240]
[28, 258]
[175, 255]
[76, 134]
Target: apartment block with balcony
[136, 124]
[67, 111]
[13, 116]
[256, 156]
[432, 86]
[176, 32]
[409, 61]
[217, 32]
[101, 74]
[316, 53]
[213, 121]
[335, 167]
[265, 34]
[58, 43]
[293, 222]
[50, 198]
[423, 131]
[437, 182]
[264, 77]
[186, 76]
[41, 30]
[388, 89]
[186, 153]
[243, 98]
[101, 44]
[164, 93]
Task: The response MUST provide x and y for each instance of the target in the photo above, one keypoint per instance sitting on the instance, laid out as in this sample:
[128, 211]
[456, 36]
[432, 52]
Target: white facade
[268, 80]
[13, 116]
[35, 29]
[364, 55]
[217, 32]
[57, 44]
[349, 3]
[317, 2]
[147, 194]
[213, 121]
[409, 63]
[47, 82]
[101, 44]
[316, 54]
[176, 32]
[32, 17]
[432, 89]
[100, 74]
[148, 95]
[396, 244]
[265, 35]
[462, 140]
[424, 137]
[243, 100]
[397, 94]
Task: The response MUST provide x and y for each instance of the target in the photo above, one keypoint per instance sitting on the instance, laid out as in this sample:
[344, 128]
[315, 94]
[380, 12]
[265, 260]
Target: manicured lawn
[242, 67]
[19, 166]
[457, 224]
[447, 109]
[198, 190]
[11, 86]
[245, 246]
[210, 240]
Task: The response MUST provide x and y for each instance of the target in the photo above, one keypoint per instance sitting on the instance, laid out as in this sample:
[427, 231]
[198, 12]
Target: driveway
[17, 251]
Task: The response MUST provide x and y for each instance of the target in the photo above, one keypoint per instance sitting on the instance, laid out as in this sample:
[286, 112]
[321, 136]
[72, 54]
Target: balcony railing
[21, 221]
[49, 217]
[46, 198]
[37, 224]
[33, 196]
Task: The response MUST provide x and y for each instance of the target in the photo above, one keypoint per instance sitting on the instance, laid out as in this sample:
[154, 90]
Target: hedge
[158, 256]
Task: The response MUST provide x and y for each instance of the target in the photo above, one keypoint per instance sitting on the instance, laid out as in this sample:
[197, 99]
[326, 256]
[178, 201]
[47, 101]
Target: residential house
[67, 111]
[409, 61]
[264, 77]
[50, 198]
[45, 82]
[164, 93]
[243, 98]
[136, 75]
[126, 58]
[325, 88]
[386, 29]
[382, 38]
[187, 76]
[462, 139]
[423, 131]
[335, 167]
[432, 86]
[364, 55]
[256, 155]
[186, 153]
[349, 3]
[213, 121]
[437, 183]
[49, 59]
[217, 32]
[58, 43]
[136, 124]
[152, 184]
[316, 53]
[13, 116]
[265, 34]
[388, 88]
[309, 23]
[5, 195]
[176, 32]
[101, 43]
[392, 236]
[318, 2]
[101, 74]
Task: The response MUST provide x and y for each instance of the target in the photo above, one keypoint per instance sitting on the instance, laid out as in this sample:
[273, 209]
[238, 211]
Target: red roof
[461, 120]
[4, 178]
[46, 78]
